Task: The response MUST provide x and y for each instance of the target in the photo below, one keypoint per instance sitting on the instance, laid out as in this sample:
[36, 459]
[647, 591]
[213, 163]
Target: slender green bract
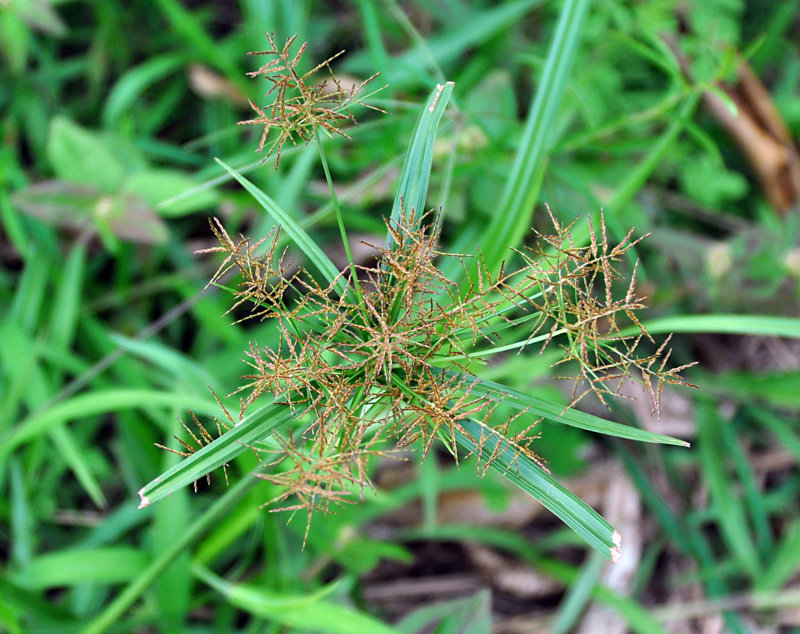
[520, 470]
[310, 248]
[254, 427]
[413, 188]
[572, 417]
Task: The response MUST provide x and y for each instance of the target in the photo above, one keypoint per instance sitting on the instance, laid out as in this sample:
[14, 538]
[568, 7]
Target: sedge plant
[386, 356]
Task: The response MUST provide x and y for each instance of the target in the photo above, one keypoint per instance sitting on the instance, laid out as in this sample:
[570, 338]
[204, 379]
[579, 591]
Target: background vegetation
[678, 118]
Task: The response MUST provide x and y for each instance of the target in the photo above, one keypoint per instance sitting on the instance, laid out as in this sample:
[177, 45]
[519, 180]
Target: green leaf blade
[513, 218]
[412, 189]
[254, 427]
[523, 472]
[572, 417]
[310, 248]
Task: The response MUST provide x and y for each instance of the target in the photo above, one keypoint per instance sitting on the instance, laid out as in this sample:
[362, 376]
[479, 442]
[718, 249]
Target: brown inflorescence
[368, 373]
[302, 106]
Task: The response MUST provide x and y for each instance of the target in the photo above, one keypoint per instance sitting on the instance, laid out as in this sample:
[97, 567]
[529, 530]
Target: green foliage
[111, 117]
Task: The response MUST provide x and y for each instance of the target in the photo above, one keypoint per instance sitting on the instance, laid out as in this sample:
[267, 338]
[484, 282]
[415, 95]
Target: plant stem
[340, 221]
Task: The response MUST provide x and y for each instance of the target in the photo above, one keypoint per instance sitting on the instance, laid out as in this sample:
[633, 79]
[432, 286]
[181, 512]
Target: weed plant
[111, 114]
[380, 357]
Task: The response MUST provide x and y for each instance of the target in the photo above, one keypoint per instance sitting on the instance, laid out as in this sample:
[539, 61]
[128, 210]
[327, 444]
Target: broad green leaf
[74, 566]
[306, 612]
[63, 204]
[82, 157]
[154, 186]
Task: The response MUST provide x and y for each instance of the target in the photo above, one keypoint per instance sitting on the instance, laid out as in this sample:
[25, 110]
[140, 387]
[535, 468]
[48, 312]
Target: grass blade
[578, 595]
[74, 566]
[135, 82]
[785, 561]
[472, 33]
[513, 218]
[99, 402]
[572, 417]
[729, 510]
[254, 427]
[295, 231]
[413, 187]
[133, 591]
[761, 325]
[307, 612]
[536, 482]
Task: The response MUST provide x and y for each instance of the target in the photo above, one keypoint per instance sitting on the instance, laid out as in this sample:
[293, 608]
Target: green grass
[108, 178]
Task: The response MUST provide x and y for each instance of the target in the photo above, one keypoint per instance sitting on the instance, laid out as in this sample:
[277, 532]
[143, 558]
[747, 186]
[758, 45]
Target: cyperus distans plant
[387, 356]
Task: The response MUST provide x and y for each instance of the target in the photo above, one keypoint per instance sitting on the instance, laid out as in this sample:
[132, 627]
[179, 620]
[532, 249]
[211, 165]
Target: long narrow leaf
[294, 230]
[99, 402]
[470, 33]
[513, 217]
[73, 566]
[572, 417]
[728, 508]
[413, 187]
[761, 325]
[252, 428]
[307, 612]
[536, 482]
[127, 597]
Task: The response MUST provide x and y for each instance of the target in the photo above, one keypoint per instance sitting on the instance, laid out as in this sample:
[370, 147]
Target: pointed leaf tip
[145, 501]
[615, 550]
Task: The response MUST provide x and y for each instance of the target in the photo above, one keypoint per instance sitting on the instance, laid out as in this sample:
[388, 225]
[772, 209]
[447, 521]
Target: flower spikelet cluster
[301, 105]
[362, 377]
[367, 372]
[577, 304]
